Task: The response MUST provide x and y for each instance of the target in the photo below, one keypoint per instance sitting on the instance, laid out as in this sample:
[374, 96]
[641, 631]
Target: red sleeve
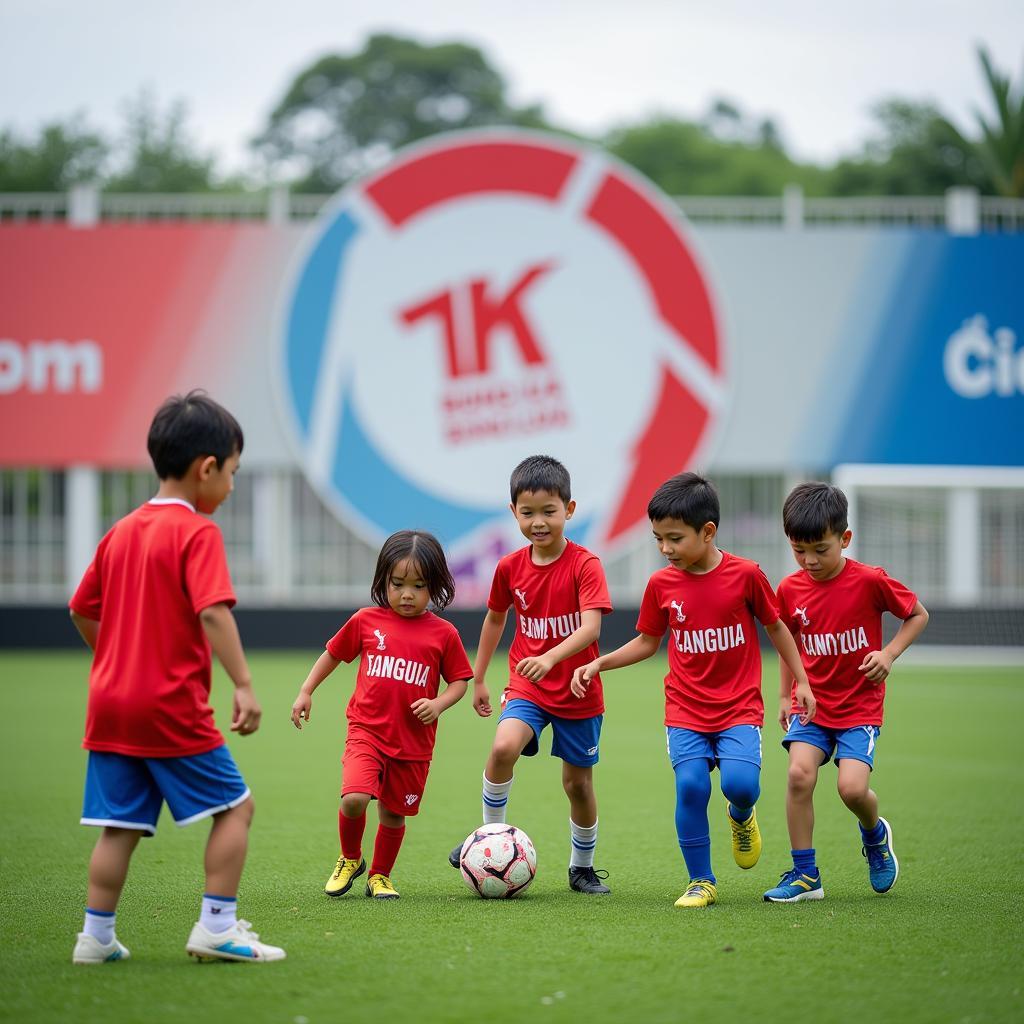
[785, 611]
[893, 596]
[454, 662]
[347, 644]
[592, 587]
[653, 620]
[207, 579]
[87, 599]
[500, 599]
[762, 598]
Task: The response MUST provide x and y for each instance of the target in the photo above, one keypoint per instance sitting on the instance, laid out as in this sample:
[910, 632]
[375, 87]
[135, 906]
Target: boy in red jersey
[155, 599]
[833, 605]
[707, 600]
[559, 593]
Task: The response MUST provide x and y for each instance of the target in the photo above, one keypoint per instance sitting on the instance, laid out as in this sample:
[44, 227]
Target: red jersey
[401, 660]
[149, 688]
[550, 601]
[714, 661]
[836, 623]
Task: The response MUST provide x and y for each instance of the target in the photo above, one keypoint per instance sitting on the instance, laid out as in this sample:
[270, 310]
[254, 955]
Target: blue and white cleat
[795, 886]
[89, 950]
[883, 867]
[239, 943]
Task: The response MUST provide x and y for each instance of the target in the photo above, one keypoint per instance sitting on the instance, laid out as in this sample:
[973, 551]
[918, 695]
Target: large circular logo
[487, 296]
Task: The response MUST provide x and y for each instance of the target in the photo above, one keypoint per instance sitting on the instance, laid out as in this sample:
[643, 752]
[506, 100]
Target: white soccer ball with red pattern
[498, 861]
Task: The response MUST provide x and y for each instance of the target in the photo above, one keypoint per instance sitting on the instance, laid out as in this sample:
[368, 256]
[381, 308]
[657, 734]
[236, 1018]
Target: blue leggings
[741, 786]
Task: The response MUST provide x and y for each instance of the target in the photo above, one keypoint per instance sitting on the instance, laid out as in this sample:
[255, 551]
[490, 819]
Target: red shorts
[398, 785]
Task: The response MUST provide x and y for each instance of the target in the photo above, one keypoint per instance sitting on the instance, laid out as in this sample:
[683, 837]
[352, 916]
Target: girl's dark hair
[188, 426]
[812, 510]
[540, 473]
[422, 548]
[687, 497]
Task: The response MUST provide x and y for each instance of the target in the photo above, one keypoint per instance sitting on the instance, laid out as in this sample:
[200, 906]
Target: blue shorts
[737, 743]
[574, 740]
[857, 742]
[128, 792]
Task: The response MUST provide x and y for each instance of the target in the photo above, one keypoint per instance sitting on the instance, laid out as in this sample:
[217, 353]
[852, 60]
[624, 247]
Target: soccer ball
[498, 861]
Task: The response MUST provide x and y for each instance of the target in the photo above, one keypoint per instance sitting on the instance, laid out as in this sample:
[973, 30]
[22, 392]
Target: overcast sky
[815, 67]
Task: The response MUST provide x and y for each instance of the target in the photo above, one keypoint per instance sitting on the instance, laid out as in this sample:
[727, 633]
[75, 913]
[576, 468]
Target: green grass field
[944, 945]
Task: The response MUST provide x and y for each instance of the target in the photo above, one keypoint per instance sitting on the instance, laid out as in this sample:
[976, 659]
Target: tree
[156, 152]
[1001, 146]
[346, 114]
[63, 154]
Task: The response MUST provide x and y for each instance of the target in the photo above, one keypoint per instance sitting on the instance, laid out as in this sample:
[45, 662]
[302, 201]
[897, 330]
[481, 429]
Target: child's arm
[323, 667]
[222, 631]
[535, 669]
[878, 664]
[785, 694]
[89, 628]
[642, 646]
[783, 642]
[428, 711]
[490, 634]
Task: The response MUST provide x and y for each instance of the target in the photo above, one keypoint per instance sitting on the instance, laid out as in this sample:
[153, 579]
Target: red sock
[385, 849]
[351, 831]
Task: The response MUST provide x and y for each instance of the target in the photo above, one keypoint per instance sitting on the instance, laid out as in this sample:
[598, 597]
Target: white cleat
[89, 950]
[238, 943]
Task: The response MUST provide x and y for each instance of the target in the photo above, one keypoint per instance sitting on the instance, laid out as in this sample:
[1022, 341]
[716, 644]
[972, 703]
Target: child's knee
[802, 777]
[354, 804]
[506, 750]
[742, 784]
[578, 787]
[853, 791]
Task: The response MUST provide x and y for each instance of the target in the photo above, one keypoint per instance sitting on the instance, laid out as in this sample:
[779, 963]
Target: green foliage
[943, 947]
[1001, 147]
[64, 153]
[347, 113]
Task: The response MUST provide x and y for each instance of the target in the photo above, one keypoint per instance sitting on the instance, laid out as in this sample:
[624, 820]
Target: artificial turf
[944, 945]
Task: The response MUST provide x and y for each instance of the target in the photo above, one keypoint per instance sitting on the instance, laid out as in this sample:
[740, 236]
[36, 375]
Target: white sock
[495, 801]
[583, 842]
[218, 913]
[100, 925]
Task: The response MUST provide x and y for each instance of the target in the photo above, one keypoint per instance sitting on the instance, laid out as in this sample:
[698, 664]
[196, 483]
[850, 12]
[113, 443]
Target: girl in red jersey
[404, 652]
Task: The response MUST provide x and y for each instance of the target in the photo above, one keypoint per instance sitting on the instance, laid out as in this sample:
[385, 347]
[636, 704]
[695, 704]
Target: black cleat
[455, 857]
[588, 880]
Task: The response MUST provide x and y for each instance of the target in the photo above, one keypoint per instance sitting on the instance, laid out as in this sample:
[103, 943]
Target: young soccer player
[707, 599]
[834, 605]
[559, 593]
[404, 652]
[155, 599]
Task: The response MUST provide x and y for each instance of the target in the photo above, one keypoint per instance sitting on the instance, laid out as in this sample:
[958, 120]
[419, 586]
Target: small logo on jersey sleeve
[802, 614]
[678, 608]
[380, 639]
[521, 594]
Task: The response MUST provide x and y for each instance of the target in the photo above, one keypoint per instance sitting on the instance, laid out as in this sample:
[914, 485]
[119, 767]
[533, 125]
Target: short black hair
[687, 497]
[814, 509]
[188, 426]
[425, 550]
[540, 473]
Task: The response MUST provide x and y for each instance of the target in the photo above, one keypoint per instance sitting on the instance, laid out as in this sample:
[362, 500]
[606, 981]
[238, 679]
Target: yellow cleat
[344, 874]
[746, 839]
[380, 888]
[698, 894]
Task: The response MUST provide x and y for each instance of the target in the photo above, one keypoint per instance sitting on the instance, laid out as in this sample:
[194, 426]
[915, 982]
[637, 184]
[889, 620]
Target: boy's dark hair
[813, 510]
[540, 473]
[422, 548]
[688, 497]
[188, 426]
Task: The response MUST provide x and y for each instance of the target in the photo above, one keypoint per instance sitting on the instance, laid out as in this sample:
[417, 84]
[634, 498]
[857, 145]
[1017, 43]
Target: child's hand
[784, 712]
[247, 711]
[534, 669]
[481, 699]
[876, 666]
[805, 699]
[425, 710]
[301, 709]
[580, 682]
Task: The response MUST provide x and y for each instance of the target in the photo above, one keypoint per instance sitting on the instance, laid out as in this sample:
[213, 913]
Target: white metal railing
[790, 210]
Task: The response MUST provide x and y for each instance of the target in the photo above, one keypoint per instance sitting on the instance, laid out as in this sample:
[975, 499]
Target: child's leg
[510, 738]
[804, 762]
[226, 849]
[390, 833]
[108, 867]
[856, 793]
[693, 791]
[352, 824]
[741, 786]
[578, 784]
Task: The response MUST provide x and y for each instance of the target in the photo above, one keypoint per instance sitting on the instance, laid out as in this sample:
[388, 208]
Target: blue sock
[219, 913]
[803, 861]
[740, 814]
[693, 791]
[873, 836]
[100, 925]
